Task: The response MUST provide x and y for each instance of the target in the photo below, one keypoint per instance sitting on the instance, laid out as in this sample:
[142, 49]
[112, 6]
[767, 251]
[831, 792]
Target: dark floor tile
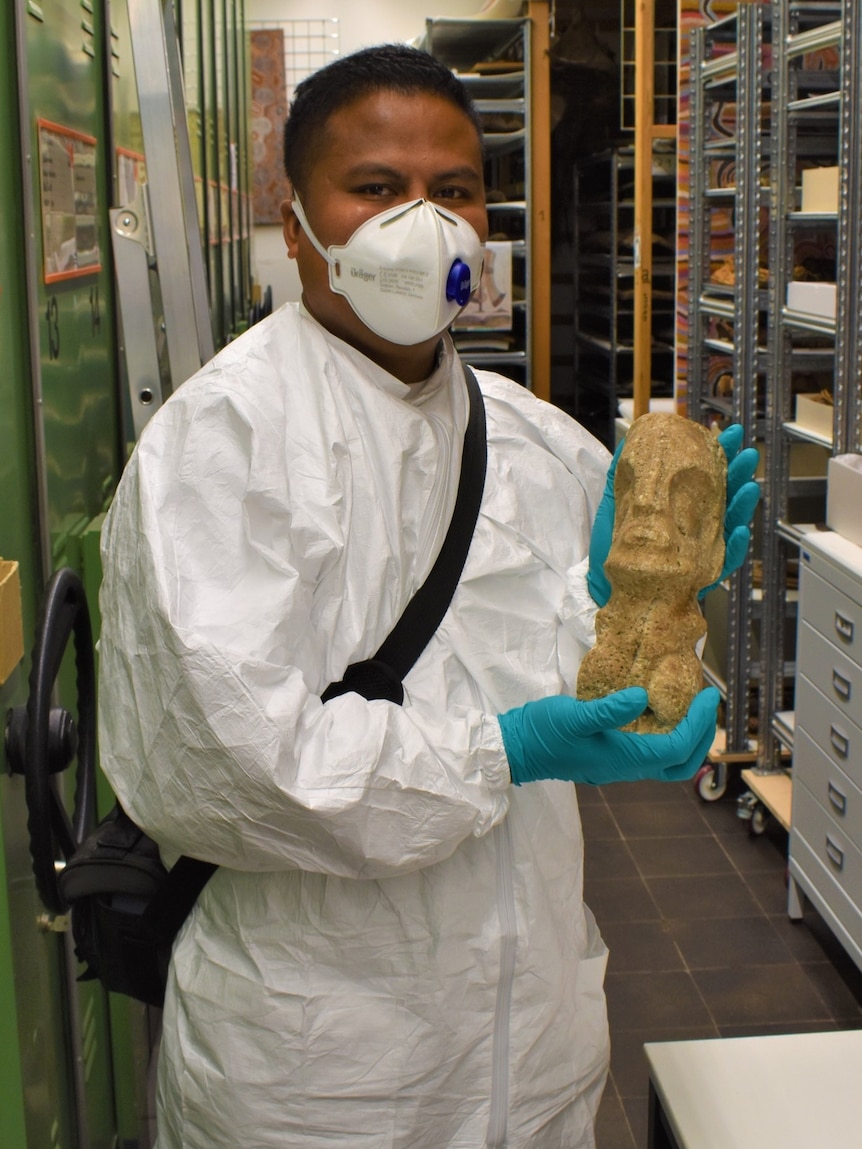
[654, 1001]
[620, 900]
[658, 819]
[769, 889]
[641, 947]
[709, 896]
[753, 854]
[714, 943]
[754, 995]
[624, 793]
[590, 796]
[809, 940]
[609, 858]
[612, 1125]
[637, 1112]
[597, 822]
[840, 986]
[666, 857]
[628, 1063]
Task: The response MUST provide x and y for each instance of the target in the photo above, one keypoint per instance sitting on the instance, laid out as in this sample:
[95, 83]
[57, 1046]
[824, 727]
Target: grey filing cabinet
[826, 823]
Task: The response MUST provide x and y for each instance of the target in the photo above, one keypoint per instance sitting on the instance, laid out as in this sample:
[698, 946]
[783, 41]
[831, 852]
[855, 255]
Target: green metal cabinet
[58, 393]
[73, 1059]
[16, 544]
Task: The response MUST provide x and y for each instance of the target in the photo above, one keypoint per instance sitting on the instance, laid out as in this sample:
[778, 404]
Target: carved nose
[644, 524]
[651, 496]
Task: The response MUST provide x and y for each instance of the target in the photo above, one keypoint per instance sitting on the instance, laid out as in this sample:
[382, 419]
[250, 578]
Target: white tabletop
[794, 1091]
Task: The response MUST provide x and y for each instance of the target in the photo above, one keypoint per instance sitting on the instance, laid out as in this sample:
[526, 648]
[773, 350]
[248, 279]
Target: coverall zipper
[432, 520]
[499, 1116]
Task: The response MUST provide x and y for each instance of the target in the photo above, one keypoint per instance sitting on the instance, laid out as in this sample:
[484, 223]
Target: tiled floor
[692, 907]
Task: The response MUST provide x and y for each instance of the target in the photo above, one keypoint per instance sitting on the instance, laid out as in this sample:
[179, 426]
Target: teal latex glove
[602, 536]
[743, 494]
[572, 741]
[742, 498]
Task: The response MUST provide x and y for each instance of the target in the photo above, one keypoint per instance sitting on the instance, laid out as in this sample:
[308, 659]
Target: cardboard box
[11, 629]
[820, 190]
[820, 299]
[844, 497]
[814, 414]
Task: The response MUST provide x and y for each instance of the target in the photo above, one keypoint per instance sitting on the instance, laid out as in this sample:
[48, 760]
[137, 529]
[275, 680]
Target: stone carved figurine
[668, 543]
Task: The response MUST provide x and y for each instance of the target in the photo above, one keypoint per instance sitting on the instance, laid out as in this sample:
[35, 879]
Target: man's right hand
[565, 739]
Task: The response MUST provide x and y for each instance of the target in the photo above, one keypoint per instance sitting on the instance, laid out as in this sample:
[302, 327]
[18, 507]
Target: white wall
[361, 23]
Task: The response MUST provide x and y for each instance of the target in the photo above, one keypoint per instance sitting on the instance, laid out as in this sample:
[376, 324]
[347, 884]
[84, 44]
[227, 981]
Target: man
[394, 951]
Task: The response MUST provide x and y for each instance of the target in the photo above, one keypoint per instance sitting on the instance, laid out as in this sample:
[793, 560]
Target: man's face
[383, 149]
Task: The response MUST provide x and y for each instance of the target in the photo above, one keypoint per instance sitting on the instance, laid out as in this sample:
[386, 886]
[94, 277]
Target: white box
[820, 190]
[844, 497]
[814, 414]
[819, 299]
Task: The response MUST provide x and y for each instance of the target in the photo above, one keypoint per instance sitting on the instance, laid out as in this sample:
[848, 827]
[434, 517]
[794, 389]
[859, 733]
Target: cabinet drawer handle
[841, 685]
[840, 742]
[844, 626]
[838, 800]
[835, 854]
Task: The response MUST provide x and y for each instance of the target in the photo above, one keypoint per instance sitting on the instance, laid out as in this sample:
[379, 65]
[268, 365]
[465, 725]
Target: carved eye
[690, 497]
[623, 480]
[624, 473]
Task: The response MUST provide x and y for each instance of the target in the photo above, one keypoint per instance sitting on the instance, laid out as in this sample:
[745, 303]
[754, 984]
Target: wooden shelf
[774, 789]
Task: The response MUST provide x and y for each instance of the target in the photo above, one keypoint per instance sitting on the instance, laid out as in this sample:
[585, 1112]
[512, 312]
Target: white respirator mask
[407, 272]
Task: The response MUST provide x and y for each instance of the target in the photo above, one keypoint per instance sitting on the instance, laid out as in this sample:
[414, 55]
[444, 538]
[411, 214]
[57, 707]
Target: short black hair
[384, 68]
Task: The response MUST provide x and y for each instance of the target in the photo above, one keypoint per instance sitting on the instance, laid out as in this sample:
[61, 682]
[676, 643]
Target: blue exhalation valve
[458, 283]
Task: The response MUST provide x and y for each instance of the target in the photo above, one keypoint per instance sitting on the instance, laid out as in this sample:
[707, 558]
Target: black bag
[126, 907]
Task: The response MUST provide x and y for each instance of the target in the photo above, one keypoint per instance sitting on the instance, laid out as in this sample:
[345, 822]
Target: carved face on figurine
[670, 491]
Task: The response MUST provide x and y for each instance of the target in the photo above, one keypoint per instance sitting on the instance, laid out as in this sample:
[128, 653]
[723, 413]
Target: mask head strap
[299, 212]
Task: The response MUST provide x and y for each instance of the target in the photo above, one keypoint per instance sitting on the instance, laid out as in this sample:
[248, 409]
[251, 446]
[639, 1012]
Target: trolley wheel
[759, 819]
[709, 783]
[42, 740]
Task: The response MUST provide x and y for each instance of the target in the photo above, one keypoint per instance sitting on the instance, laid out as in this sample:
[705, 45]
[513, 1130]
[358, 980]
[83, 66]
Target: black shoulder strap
[381, 676]
[170, 905]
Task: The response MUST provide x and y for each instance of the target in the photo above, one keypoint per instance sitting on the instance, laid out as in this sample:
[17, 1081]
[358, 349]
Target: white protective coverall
[395, 953]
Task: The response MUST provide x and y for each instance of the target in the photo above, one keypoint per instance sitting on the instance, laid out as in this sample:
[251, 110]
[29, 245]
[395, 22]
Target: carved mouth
[643, 535]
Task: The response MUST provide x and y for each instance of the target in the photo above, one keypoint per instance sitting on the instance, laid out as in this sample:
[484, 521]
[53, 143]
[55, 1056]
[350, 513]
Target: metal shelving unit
[774, 352]
[474, 50]
[727, 322]
[818, 71]
[817, 90]
[806, 131]
[605, 298]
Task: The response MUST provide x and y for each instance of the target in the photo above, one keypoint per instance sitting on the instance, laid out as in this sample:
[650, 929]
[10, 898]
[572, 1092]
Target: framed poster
[68, 189]
[490, 306]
